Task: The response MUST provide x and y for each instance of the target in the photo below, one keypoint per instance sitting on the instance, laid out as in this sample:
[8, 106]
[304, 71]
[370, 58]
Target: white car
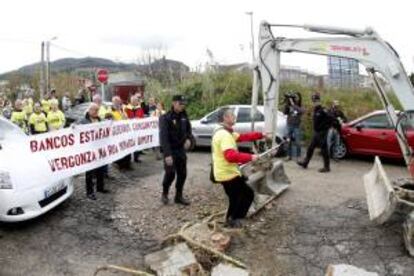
[21, 199]
[203, 129]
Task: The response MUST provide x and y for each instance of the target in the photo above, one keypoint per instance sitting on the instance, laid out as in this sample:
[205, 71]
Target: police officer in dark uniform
[322, 122]
[175, 134]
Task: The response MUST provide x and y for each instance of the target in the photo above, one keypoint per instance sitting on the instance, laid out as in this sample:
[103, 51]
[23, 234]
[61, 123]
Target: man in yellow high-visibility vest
[38, 121]
[55, 118]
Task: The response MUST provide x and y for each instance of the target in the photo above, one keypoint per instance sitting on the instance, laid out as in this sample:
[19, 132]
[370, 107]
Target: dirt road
[321, 219]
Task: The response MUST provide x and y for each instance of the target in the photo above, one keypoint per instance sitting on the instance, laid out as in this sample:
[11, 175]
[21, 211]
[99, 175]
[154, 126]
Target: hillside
[91, 63]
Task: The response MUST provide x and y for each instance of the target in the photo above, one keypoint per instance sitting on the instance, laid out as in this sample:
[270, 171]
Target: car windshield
[376, 121]
[243, 116]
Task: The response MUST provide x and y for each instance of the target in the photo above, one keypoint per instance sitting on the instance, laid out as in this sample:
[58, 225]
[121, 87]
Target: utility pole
[252, 34]
[255, 79]
[42, 70]
[47, 66]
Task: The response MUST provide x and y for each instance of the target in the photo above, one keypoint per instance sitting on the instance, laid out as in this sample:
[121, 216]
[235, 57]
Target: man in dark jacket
[98, 173]
[334, 134]
[175, 134]
[322, 122]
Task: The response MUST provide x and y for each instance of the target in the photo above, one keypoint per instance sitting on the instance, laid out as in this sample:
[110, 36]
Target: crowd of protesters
[34, 117]
[47, 114]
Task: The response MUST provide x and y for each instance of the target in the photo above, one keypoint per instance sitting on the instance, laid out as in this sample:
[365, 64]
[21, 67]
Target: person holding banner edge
[92, 116]
[175, 134]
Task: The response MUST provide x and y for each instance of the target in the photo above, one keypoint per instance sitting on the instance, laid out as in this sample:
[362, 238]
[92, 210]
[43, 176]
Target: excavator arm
[379, 59]
[365, 46]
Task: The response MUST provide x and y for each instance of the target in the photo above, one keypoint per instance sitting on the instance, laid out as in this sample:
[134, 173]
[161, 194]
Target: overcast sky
[121, 29]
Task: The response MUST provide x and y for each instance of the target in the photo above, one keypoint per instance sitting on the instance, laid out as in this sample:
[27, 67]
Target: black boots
[303, 164]
[324, 170]
[233, 223]
[179, 199]
[91, 196]
[164, 199]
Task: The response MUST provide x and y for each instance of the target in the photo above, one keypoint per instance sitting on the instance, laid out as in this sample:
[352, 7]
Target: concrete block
[175, 260]
[228, 270]
[347, 270]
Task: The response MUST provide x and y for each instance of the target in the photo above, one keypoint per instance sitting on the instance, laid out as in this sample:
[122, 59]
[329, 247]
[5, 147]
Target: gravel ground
[321, 219]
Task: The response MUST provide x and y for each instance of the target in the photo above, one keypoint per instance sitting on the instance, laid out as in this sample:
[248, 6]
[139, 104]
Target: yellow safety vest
[19, 118]
[103, 111]
[38, 121]
[45, 105]
[56, 119]
[222, 141]
[28, 108]
[118, 115]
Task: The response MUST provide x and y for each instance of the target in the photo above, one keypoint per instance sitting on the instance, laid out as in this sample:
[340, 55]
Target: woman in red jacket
[226, 161]
[134, 110]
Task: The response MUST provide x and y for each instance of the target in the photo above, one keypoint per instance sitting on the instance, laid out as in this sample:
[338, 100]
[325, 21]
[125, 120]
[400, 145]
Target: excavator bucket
[381, 197]
[384, 198]
[268, 180]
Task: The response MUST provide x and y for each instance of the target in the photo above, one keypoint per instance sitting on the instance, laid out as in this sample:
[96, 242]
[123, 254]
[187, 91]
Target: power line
[69, 50]
[17, 40]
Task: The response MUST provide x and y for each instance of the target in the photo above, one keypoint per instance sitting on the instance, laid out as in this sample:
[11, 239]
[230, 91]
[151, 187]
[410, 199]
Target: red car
[372, 134]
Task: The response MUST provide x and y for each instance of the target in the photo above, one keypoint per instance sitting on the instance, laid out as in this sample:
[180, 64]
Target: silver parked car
[203, 129]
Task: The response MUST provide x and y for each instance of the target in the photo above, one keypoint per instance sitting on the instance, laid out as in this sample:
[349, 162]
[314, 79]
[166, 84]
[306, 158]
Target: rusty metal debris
[122, 269]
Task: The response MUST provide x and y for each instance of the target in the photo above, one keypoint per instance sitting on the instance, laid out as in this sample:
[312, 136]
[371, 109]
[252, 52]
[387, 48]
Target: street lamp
[252, 34]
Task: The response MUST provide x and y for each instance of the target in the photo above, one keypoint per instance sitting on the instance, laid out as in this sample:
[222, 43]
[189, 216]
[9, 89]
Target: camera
[289, 96]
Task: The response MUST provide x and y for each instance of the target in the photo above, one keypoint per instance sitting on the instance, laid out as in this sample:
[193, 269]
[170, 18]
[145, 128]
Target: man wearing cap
[322, 122]
[175, 133]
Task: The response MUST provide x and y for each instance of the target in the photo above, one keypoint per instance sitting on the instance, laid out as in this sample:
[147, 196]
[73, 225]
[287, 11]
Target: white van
[21, 199]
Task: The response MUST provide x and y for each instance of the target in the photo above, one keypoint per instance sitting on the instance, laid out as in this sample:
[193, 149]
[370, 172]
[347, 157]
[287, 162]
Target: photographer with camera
[294, 111]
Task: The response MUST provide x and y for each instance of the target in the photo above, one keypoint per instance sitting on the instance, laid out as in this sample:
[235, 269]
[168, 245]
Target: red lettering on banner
[94, 135]
[144, 125]
[120, 129]
[67, 162]
[102, 152]
[112, 149]
[144, 139]
[51, 143]
[130, 143]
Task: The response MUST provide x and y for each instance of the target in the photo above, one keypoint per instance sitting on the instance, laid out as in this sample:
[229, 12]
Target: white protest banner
[71, 151]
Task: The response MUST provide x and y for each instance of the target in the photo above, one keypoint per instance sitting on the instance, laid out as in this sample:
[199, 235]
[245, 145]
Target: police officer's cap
[179, 98]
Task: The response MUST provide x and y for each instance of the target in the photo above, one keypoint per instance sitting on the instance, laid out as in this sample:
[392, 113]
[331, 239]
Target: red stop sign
[102, 75]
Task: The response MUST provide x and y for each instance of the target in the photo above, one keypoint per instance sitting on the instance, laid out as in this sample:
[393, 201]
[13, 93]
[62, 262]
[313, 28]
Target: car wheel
[340, 150]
